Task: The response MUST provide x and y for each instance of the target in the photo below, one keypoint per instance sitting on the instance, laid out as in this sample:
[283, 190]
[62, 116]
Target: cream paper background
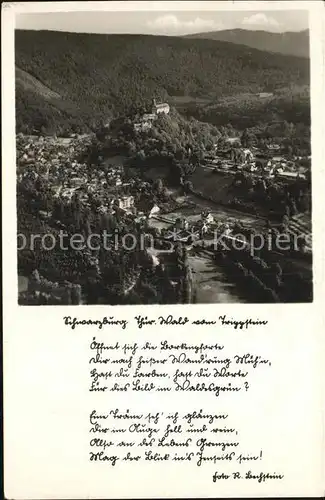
[46, 398]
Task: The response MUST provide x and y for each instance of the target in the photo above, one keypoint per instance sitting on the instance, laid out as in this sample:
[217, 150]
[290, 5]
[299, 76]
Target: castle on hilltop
[146, 120]
[160, 108]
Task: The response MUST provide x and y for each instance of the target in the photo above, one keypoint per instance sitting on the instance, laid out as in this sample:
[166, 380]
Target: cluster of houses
[146, 120]
[187, 231]
[47, 156]
[285, 169]
[239, 158]
[54, 161]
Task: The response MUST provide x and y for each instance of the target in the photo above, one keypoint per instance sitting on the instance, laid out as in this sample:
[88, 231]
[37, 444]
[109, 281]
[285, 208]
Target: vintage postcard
[163, 201]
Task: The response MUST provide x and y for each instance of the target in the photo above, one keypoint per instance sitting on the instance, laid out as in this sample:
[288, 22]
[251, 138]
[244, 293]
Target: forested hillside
[248, 110]
[72, 81]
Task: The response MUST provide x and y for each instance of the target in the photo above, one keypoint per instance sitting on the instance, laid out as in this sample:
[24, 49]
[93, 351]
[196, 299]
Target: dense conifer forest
[71, 82]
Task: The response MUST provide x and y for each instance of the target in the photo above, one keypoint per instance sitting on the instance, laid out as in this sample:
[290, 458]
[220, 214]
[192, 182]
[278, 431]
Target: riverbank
[211, 283]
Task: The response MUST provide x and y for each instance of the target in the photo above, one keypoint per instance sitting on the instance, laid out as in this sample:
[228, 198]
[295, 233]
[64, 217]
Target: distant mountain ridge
[294, 43]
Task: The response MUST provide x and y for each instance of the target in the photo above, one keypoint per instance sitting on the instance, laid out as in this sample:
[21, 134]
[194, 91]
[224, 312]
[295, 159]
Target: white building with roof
[125, 202]
[232, 140]
[149, 116]
[248, 154]
[207, 217]
[160, 108]
[155, 210]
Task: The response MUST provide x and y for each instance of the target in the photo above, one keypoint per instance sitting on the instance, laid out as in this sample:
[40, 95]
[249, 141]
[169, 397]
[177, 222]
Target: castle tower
[154, 106]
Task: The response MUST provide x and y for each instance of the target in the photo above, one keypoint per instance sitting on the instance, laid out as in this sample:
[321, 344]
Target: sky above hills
[164, 23]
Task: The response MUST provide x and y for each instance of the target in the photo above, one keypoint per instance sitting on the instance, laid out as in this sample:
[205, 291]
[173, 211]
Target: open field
[219, 212]
[180, 100]
[215, 185]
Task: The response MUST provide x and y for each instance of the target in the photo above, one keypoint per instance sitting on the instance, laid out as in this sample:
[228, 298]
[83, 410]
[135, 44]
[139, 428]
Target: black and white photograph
[163, 157]
[167, 154]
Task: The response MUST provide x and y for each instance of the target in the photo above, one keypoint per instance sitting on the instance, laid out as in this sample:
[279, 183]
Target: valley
[170, 143]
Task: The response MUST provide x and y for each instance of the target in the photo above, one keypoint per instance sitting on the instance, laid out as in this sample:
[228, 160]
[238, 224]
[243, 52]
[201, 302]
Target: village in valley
[60, 168]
